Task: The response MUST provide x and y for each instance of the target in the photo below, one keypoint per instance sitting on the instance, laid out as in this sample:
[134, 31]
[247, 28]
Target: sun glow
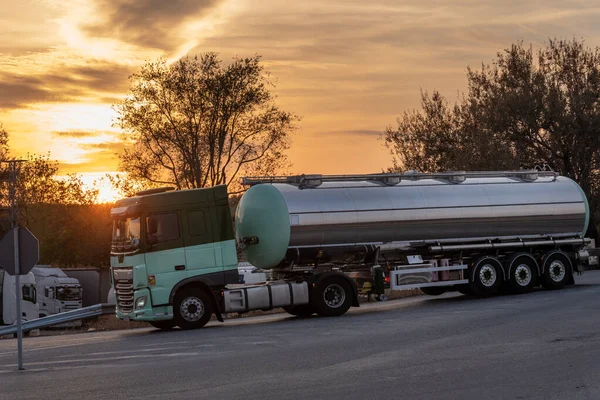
[107, 193]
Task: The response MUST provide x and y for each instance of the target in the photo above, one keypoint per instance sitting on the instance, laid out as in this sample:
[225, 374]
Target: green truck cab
[164, 240]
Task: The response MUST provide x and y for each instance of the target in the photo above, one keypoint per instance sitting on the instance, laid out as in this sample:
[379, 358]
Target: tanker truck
[174, 259]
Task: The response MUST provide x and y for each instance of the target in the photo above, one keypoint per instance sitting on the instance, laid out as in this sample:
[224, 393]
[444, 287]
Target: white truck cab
[28, 296]
[57, 292]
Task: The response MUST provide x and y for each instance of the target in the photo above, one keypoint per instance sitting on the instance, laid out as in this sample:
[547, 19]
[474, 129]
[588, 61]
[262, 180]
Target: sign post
[19, 253]
[18, 299]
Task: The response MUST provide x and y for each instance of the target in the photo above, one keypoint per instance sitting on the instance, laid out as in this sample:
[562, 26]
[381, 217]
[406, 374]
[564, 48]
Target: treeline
[72, 235]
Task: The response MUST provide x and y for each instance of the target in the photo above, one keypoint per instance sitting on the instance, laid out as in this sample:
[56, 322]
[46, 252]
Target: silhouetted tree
[524, 110]
[196, 123]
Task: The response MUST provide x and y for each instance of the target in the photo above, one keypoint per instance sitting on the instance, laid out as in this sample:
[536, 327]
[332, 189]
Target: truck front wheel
[332, 297]
[192, 308]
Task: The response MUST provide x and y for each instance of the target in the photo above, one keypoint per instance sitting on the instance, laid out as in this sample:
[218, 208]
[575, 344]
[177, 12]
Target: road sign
[29, 252]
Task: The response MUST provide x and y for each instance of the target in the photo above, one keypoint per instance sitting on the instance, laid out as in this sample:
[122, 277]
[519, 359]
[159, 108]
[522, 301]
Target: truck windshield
[29, 293]
[126, 235]
[68, 293]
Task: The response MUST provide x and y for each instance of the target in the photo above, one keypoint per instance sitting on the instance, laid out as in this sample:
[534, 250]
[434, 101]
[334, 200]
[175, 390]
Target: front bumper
[146, 313]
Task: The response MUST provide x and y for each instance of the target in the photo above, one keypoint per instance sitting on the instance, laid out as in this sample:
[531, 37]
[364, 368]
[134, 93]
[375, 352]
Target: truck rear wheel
[557, 271]
[486, 276]
[163, 325]
[192, 308]
[305, 310]
[522, 274]
[332, 297]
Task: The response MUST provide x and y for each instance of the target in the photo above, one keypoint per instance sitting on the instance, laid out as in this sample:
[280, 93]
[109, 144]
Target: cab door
[165, 257]
[200, 245]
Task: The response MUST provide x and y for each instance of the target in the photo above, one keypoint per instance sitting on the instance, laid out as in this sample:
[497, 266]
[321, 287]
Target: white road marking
[101, 353]
[89, 360]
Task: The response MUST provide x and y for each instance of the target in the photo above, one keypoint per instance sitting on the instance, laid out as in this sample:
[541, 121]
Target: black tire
[557, 270]
[434, 290]
[192, 308]
[303, 311]
[332, 297]
[486, 276]
[163, 325]
[522, 274]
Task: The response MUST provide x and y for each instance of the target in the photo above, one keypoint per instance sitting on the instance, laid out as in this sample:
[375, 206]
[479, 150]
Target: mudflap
[216, 306]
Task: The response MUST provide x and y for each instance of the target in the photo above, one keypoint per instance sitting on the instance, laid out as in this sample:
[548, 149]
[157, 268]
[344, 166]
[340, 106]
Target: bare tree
[196, 123]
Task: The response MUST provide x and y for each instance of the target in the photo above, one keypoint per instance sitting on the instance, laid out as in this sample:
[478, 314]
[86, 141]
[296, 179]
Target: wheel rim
[334, 296]
[557, 271]
[487, 275]
[523, 275]
[191, 309]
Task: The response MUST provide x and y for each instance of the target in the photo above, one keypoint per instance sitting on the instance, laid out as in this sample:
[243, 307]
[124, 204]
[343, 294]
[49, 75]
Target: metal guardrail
[61, 318]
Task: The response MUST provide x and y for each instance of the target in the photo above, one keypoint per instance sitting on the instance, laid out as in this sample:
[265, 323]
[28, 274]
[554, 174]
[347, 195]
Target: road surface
[543, 345]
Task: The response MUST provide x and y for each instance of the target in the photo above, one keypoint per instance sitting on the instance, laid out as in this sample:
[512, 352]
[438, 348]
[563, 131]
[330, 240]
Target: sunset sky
[349, 68]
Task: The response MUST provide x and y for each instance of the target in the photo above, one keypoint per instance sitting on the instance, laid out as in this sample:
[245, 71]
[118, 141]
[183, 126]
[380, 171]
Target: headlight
[140, 302]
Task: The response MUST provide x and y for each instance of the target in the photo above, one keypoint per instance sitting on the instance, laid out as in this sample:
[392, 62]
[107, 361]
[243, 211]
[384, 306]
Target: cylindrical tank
[357, 213]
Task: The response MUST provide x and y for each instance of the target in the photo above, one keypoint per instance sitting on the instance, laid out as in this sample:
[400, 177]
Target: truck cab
[27, 294]
[164, 240]
[57, 292]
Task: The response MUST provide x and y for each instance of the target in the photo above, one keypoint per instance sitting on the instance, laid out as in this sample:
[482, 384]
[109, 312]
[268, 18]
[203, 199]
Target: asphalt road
[543, 345]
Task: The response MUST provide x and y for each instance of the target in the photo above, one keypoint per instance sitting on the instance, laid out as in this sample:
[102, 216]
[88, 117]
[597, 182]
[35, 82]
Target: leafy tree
[525, 109]
[196, 123]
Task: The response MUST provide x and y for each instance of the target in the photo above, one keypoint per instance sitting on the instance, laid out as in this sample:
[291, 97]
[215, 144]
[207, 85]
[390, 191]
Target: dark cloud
[110, 147]
[17, 91]
[75, 134]
[148, 23]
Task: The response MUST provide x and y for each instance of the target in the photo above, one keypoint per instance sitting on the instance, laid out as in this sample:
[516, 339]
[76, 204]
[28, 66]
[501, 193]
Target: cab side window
[164, 227]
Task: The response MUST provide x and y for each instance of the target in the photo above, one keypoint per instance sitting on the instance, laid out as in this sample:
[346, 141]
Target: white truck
[57, 292]
[8, 305]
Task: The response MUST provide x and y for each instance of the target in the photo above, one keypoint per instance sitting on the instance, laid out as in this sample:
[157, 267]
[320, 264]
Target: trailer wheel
[557, 271]
[523, 274]
[305, 310]
[486, 277]
[192, 308]
[434, 290]
[163, 325]
[332, 297]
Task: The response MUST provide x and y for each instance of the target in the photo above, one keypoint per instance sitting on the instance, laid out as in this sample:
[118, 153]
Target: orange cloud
[348, 68]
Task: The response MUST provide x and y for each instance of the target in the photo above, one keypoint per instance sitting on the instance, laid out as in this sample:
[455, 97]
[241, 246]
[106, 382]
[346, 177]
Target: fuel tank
[284, 215]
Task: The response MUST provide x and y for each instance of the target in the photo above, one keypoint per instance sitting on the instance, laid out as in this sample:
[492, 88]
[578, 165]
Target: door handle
[179, 267]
